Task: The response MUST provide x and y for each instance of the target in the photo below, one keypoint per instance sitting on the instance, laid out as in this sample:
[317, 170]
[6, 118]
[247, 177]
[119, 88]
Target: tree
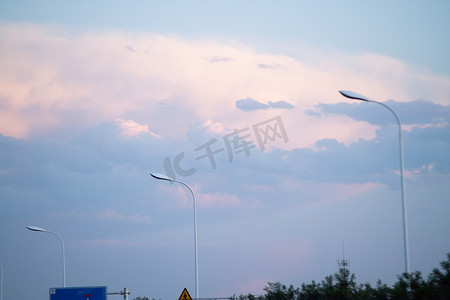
[310, 291]
[382, 291]
[278, 291]
[250, 297]
[439, 281]
[345, 284]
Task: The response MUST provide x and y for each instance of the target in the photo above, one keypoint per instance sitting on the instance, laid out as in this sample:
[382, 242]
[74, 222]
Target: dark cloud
[250, 104]
[425, 146]
[415, 112]
[130, 48]
[374, 160]
[68, 184]
[267, 66]
[216, 59]
[428, 146]
[93, 157]
[80, 167]
[281, 104]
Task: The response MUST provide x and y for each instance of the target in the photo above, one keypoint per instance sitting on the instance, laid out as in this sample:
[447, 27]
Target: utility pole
[125, 293]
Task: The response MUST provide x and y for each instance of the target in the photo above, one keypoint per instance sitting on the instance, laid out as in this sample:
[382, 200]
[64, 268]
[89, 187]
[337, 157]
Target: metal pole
[402, 180]
[195, 238]
[125, 293]
[63, 256]
[1, 281]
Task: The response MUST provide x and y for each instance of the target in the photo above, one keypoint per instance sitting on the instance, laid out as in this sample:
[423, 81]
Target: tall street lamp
[356, 96]
[1, 281]
[38, 229]
[164, 177]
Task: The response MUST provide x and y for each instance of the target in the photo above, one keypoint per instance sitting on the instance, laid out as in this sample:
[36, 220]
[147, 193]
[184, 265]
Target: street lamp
[356, 96]
[38, 229]
[164, 177]
[1, 281]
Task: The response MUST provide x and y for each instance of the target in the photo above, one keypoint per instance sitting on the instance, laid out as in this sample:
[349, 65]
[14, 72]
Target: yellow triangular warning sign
[185, 295]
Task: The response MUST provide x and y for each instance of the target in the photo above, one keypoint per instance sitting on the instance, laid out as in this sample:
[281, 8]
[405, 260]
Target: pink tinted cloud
[218, 200]
[51, 82]
[131, 128]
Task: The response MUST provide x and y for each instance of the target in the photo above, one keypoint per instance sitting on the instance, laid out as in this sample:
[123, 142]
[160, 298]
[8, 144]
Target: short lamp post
[166, 178]
[38, 229]
[356, 96]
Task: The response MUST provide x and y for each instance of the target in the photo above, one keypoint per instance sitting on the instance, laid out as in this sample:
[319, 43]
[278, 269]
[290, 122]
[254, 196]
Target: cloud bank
[249, 104]
[54, 83]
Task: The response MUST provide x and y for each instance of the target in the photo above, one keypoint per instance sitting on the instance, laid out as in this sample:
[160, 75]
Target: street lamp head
[34, 228]
[161, 177]
[353, 95]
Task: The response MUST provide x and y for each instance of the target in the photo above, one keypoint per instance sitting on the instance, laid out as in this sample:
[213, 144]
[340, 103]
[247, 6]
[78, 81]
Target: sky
[240, 101]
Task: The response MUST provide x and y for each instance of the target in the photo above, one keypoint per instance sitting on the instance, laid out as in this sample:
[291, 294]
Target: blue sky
[94, 96]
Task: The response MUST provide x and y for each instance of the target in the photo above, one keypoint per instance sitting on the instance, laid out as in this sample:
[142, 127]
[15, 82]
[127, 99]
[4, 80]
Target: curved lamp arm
[38, 229]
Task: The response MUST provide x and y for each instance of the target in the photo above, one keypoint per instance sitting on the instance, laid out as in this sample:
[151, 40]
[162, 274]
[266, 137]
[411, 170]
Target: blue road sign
[78, 293]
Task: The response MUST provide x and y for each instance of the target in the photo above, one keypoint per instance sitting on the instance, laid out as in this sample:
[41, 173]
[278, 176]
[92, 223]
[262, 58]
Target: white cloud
[53, 83]
[214, 127]
[410, 127]
[132, 128]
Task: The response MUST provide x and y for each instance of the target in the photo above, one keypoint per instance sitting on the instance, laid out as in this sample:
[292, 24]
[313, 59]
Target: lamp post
[38, 229]
[1, 281]
[164, 177]
[356, 96]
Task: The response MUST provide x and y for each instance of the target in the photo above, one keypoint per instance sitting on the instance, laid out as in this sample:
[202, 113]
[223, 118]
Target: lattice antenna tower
[343, 263]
